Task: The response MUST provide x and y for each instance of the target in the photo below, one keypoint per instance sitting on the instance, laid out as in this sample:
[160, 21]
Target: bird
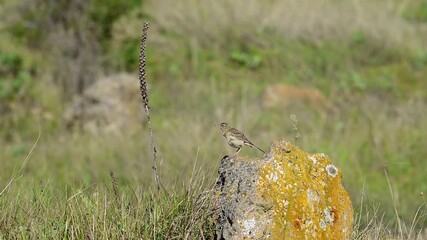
[235, 138]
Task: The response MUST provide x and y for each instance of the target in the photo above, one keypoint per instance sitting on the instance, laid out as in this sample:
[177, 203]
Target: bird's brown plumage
[235, 138]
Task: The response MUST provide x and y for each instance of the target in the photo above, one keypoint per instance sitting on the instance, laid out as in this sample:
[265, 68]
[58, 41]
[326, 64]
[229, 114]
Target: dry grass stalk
[144, 94]
[115, 189]
[294, 120]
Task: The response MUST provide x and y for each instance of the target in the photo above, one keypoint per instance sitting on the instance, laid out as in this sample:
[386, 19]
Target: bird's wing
[239, 135]
[242, 137]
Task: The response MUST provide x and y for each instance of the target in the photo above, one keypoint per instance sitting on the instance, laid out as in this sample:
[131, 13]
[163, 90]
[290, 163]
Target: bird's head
[224, 127]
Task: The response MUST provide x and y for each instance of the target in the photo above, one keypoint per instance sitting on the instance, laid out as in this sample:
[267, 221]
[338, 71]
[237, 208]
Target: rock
[289, 194]
[110, 105]
[283, 95]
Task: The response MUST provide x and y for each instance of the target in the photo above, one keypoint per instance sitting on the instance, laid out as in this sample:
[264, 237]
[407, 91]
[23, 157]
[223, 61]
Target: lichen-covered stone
[289, 194]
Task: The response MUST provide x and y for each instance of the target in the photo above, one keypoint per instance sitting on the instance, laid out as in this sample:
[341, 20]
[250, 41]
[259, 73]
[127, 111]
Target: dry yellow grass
[216, 21]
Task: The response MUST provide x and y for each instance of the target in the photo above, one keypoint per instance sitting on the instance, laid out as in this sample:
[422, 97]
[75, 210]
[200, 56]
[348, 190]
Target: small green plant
[105, 12]
[15, 78]
[358, 37]
[248, 59]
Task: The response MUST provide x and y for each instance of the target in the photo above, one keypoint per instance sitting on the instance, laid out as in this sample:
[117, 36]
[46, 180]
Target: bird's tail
[253, 145]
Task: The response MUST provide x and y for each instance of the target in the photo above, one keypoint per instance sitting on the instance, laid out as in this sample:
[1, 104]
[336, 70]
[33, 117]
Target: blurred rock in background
[284, 95]
[110, 105]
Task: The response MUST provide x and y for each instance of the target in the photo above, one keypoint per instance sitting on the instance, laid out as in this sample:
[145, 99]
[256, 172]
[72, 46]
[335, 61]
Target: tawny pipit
[235, 138]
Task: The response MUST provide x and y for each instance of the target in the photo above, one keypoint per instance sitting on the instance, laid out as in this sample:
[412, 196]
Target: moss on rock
[307, 196]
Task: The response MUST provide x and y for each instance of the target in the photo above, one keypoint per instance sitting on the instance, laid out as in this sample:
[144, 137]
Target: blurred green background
[358, 71]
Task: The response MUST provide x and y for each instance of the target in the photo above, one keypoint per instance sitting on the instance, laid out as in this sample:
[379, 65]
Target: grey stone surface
[241, 212]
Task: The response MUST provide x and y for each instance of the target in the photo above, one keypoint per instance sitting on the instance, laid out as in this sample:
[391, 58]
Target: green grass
[95, 212]
[363, 138]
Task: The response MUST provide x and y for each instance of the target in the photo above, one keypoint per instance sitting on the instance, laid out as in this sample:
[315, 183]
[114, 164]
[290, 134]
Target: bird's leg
[237, 152]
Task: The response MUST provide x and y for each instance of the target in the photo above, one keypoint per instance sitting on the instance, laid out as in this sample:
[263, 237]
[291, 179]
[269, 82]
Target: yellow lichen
[306, 194]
